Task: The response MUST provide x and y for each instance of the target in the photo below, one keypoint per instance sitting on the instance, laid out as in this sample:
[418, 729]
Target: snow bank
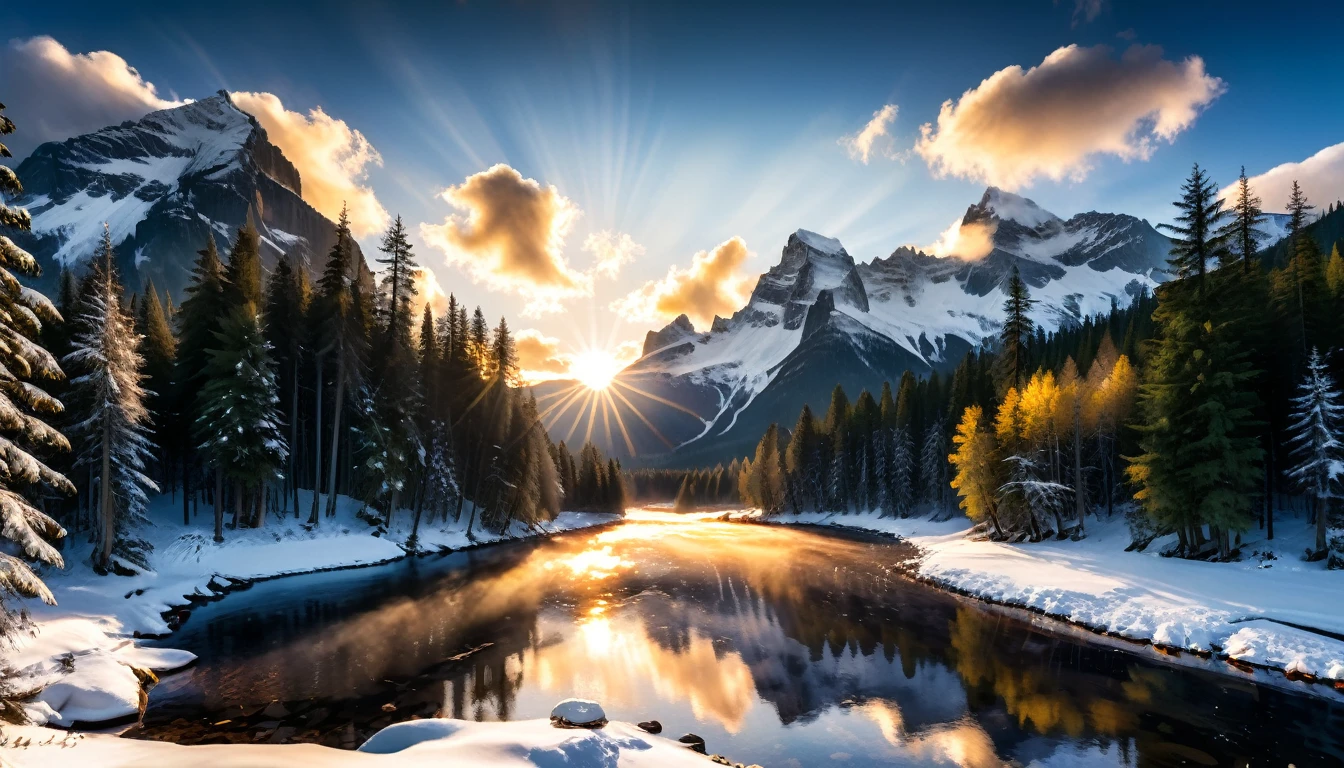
[459, 743]
[97, 688]
[82, 653]
[1241, 611]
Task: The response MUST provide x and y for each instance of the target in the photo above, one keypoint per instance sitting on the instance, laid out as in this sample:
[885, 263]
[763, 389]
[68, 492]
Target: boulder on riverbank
[578, 713]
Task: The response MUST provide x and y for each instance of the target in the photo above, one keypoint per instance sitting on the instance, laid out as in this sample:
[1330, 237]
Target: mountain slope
[163, 184]
[818, 318]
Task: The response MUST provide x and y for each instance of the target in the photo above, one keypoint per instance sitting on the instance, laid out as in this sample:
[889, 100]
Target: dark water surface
[780, 646]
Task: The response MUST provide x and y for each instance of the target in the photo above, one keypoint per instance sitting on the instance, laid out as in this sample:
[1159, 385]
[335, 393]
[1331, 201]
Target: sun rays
[577, 409]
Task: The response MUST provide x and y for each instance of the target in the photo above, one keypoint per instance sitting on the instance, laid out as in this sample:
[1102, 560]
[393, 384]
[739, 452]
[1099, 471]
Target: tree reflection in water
[776, 644]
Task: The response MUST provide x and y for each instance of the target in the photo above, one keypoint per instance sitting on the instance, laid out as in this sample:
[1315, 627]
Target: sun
[595, 368]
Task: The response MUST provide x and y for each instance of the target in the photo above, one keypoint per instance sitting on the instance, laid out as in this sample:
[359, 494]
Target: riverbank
[1270, 610]
[434, 742]
[82, 662]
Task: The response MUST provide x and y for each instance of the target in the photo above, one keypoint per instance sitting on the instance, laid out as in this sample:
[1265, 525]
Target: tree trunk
[219, 505]
[237, 504]
[1322, 520]
[336, 430]
[294, 440]
[186, 483]
[108, 519]
[1079, 492]
[317, 446]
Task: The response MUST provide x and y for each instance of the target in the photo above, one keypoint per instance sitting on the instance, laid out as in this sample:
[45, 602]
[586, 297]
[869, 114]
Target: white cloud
[714, 284]
[1321, 177]
[333, 159]
[53, 94]
[611, 251]
[1052, 120]
[874, 138]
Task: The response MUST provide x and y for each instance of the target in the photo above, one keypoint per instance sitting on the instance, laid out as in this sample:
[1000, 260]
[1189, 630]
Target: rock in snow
[578, 713]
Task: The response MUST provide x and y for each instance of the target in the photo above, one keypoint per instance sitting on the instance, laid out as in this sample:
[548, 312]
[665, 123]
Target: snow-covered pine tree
[933, 464]
[113, 430]
[238, 421]
[902, 472]
[23, 404]
[442, 471]
[1314, 434]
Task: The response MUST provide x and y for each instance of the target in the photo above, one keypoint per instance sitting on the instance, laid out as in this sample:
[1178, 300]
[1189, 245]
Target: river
[782, 646]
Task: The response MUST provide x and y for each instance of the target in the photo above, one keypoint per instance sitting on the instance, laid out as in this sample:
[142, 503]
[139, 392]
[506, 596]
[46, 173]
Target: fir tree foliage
[114, 435]
[24, 407]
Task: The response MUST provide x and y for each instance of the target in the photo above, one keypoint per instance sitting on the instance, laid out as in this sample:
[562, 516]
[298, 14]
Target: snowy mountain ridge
[818, 317]
[163, 184]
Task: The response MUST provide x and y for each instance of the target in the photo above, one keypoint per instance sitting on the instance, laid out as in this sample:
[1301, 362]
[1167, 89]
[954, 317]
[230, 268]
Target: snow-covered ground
[1259, 611]
[83, 655]
[458, 743]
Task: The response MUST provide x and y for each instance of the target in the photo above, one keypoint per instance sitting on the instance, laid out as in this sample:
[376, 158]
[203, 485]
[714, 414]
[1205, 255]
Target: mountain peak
[1007, 206]
[819, 242]
[163, 184]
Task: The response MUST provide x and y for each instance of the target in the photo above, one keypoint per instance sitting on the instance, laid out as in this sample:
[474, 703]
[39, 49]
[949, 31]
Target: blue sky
[686, 124]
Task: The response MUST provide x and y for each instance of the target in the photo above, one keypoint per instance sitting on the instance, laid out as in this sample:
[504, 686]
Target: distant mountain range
[163, 184]
[818, 318]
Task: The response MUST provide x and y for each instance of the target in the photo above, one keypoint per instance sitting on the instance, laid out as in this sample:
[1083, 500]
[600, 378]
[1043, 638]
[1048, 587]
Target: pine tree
[933, 464]
[1017, 331]
[902, 490]
[1243, 231]
[238, 422]
[343, 332]
[115, 426]
[1199, 237]
[1299, 209]
[503, 356]
[1298, 288]
[242, 276]
[399, 280]
[286, 315]
[23, 405]
[1200, 460]
[1314, 434]
[766, 484]
[197, 320]
[160, 352]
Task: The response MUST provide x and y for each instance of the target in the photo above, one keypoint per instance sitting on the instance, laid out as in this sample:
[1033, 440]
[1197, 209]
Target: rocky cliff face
[163, 184]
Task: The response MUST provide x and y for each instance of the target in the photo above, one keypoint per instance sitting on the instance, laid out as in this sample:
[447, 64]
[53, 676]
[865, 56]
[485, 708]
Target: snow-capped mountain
[163, 184]
[818, 318]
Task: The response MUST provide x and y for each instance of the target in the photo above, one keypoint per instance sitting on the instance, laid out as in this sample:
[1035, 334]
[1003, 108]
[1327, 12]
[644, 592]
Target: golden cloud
[965, 241]
[1321, 177]
[333, 159]
[510, 235]
[713, 285]
[874, 136]
[56, 94]
[539, 356]
[1051, 120]
[427, 290]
